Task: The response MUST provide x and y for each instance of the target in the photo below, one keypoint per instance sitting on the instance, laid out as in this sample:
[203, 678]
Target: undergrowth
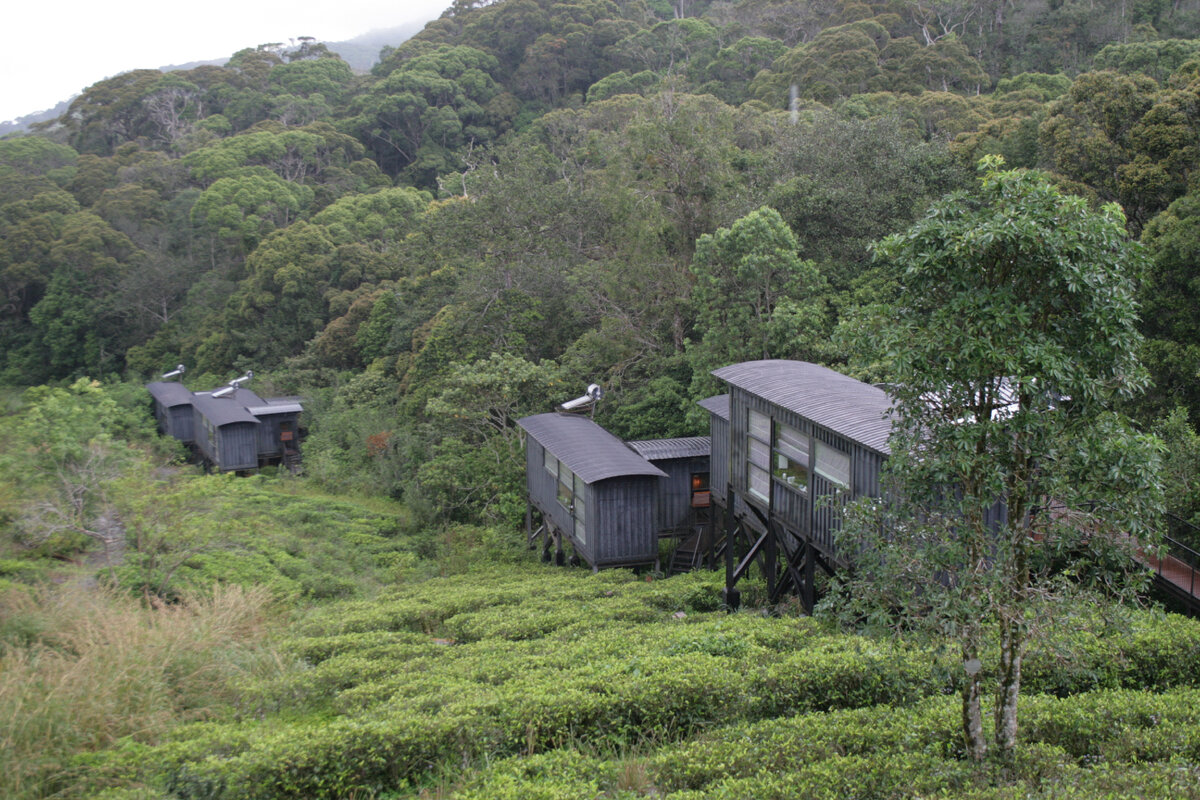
[84, 668]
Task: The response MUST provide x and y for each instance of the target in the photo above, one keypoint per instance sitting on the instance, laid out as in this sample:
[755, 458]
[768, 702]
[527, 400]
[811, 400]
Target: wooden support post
[809, 592]
[559, 557]
[731, 596]
[771, 561]
[709, 548]
[529, 524]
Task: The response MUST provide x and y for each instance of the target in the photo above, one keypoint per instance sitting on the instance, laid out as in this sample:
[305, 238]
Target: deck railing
[1180, 563]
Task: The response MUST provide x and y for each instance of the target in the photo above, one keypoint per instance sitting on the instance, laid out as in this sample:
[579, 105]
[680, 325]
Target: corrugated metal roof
[588, 450]
[169, 393]
[717, 404]
[663, 449]
[228, 409]
[856, 410]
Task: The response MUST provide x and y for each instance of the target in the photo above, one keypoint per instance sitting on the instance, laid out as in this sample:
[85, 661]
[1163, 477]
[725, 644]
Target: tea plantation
[524, 681]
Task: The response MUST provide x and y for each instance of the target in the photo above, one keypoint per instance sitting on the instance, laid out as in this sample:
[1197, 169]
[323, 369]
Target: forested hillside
[512, 199]
[526, 197]
[508, 207]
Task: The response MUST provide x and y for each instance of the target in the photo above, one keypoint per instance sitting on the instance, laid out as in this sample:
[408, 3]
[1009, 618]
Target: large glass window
[791, 457]
[550, 463]
[566, 486]
[832, 465]
[779, 451]
[571, 494]
[758, 455]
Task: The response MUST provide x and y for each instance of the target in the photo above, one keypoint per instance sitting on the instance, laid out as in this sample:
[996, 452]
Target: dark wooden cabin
[802, 441]
[278, 427]
[226, 432]
[173, 410]
[685, 487]
[592, 490]
[231, 429]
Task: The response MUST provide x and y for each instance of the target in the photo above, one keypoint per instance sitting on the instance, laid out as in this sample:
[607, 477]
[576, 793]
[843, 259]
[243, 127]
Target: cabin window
[758, 455]
[550, 463]
[791, 457]
[211, 435]
[759, 425]
[832, 465]
[701, 494]
[566, 483]
[571, 496]
[579, 511]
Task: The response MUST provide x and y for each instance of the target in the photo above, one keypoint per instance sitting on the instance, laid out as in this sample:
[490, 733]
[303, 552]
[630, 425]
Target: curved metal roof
[169, 393]
[717, 404]
[588, 450]
[663, 449]
[856, 410]
[275, 408]
[228, 409]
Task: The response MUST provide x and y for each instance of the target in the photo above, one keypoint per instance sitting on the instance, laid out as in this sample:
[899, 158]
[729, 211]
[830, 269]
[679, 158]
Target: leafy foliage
[1013, 335]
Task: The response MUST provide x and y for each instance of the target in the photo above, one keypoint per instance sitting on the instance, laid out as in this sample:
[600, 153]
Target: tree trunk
[972, 715]
[1008, 689]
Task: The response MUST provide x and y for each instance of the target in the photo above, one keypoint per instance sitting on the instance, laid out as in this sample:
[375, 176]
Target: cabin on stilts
[592, 492]
[173, 410]
[790, 444]
[800, 441]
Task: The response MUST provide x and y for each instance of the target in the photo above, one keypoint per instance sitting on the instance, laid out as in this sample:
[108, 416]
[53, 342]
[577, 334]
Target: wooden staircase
[688, 554]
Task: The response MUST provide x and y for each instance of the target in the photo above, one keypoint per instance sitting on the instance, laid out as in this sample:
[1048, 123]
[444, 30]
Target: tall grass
[82, 667]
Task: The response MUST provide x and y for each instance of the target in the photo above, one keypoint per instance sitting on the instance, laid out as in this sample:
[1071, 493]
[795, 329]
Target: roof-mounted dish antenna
[175, 373]
[589, 400]
[234, 385]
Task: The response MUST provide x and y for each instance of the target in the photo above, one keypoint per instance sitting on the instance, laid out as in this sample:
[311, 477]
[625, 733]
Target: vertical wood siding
[673, 505]
[815, 513]
[718, 463]
[269, 443]
[624, 532]
[238, 447]
[179, 423]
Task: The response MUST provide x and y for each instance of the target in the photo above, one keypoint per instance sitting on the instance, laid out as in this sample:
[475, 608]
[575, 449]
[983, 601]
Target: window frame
[570, 494]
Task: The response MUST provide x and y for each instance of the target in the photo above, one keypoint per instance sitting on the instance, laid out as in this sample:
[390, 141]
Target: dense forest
[526, 197]
[508, 206]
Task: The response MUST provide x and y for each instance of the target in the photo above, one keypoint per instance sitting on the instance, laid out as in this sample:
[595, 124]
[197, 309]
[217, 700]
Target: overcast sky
[53, 50]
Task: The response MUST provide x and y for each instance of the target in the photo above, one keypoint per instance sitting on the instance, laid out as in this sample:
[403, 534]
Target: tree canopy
[1013, 337]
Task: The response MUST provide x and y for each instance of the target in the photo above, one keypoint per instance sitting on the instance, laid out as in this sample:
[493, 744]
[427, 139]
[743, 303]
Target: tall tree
[1014, 332]
[754, 296]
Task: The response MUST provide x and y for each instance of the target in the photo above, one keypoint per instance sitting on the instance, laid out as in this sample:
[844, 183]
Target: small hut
[685, 488]
[591, 490]
[173, 410]
[226, 432]
[231, 428]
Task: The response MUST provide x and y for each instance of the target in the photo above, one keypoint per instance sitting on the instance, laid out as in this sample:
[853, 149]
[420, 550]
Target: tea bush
[632, 687]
